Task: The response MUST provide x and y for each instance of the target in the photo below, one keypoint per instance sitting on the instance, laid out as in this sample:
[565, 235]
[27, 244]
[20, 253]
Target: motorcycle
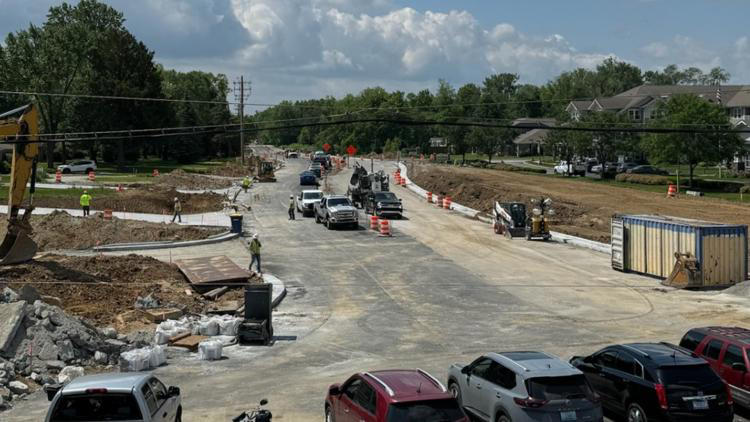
[255, 415]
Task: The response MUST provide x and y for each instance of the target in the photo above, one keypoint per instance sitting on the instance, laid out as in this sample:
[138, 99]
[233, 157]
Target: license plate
[568, 416]
[700, 404]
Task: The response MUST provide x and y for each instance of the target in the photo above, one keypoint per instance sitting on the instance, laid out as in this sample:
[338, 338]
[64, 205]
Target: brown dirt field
[99, 288]
[178, 179]
[230, 170]
[146, 199]
[582, 209]
[60, 230]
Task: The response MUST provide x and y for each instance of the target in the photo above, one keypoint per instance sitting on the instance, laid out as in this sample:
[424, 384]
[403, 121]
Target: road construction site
[441, 289]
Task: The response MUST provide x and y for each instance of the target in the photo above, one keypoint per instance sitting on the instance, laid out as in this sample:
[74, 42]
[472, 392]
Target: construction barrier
[92, 176]
[374, 222]
[107, 214]
[403, 181]
[58, 176]
[119, 188]
[671, 191]
[429, 197]
[397, 177]
[447, 202]
[438, 201]
[155, 172]
[385, 228]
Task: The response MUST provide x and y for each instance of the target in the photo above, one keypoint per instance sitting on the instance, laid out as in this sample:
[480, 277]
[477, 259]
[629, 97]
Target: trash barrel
[236, 223]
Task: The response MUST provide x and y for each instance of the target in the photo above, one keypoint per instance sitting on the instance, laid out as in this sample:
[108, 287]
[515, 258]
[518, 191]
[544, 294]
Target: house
[640, 103]
[531, 142]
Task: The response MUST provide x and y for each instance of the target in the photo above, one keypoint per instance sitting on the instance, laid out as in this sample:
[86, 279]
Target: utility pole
[242, 95]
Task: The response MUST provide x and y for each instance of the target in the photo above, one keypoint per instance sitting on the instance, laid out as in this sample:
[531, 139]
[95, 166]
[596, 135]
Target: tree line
[86, 49]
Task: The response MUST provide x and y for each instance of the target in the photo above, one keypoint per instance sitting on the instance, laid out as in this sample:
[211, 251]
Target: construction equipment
[510, 219]
[263, 169]
[363, 184]
[686, 272]
[537, 224]
[21, 127]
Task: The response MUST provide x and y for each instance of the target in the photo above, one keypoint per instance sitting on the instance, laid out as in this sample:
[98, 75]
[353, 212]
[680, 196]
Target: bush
[643, 179]
[716, 185]
[509, 167]
[41, 175]
[745, 189]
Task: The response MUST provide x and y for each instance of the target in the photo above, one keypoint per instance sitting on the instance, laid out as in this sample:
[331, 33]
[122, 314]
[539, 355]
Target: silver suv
[524, 387]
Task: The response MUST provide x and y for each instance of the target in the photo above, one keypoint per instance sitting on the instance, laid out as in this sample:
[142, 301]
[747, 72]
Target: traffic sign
[351, 150]
[326, 147]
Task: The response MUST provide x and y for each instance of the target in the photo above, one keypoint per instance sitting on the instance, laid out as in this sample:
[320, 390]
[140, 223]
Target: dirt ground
[99, 288]
[146, 199]
[60, 230]
[230, 170]
[582, 209]
[179, 179]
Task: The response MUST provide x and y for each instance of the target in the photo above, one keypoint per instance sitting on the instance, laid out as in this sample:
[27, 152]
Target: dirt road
[583, 209]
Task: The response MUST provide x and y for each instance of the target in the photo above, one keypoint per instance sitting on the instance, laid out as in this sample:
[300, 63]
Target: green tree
[605, 144]
[614, 77]
[682, 111]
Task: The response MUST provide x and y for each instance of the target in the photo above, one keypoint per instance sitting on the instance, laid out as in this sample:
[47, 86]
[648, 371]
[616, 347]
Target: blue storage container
[236, 220]
[647, 244]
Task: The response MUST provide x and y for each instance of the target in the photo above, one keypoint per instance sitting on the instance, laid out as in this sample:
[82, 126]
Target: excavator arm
[21, 128]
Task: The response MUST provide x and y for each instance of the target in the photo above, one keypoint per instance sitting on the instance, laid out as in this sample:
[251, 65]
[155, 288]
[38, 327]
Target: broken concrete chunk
[56, 318]
[55, 364]
[11, 315]
[8, 296]
[4, 393]
[66, 352]
[109, 332]
[69, 373]
[148, 302]
[29, 294]
[17, 387]
[100, 358]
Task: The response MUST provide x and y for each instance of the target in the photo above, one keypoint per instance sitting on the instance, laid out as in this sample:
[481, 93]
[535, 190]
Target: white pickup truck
[336, 210]
[306, 201]
[129, 396]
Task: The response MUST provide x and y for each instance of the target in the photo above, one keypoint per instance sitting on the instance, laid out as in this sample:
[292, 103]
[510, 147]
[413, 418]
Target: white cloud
[657, 50]
[683, 51]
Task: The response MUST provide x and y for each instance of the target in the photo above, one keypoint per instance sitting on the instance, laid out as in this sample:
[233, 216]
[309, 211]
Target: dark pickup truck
[384, 204]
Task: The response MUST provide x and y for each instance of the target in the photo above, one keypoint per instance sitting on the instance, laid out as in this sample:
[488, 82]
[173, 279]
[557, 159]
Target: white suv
[81, 166]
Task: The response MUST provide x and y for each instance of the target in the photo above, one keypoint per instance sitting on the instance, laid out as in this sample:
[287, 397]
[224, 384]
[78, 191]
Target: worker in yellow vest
[86, 203]
[246, 184]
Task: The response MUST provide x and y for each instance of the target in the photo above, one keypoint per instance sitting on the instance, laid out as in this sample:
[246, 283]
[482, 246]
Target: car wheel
[178, 417]
[329, 415]
[636, 413]
[317, 219]
[66, 171]
[503, 418]
[456, 392]
[329, 226]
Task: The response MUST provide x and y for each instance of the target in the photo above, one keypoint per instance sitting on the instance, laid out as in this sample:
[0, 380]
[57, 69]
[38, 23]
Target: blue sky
[294, 49]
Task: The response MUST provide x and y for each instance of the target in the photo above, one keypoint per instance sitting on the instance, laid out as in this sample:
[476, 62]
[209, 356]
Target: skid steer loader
[20, 129]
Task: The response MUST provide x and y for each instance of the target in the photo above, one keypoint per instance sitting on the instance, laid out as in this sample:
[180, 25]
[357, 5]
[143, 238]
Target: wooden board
[210, 272]
[190, 342]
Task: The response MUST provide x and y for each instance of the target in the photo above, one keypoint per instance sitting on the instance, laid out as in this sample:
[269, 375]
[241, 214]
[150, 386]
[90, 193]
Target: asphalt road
[441, 290]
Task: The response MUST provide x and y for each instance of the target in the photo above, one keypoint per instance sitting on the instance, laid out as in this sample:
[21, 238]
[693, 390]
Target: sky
[299, 49]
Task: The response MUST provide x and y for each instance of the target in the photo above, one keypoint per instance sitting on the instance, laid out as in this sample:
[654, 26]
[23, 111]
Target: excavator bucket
[686, 272]
[17, 248]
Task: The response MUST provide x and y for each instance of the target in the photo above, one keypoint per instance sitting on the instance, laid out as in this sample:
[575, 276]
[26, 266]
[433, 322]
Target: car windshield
[104, 407]
[559, 388]
[425, 411]
[334, 202]
[385, 196]
[687, 375]
[312, 195]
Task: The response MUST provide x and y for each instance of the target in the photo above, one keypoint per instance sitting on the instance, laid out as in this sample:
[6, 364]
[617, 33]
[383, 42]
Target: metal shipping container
[647, 244]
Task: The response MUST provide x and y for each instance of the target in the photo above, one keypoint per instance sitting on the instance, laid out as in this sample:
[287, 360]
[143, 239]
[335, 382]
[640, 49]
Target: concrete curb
[221, 237]
[279, 289]
[476, 215]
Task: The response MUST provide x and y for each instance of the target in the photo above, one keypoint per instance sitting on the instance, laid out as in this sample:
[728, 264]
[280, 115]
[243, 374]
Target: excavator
[21, 128]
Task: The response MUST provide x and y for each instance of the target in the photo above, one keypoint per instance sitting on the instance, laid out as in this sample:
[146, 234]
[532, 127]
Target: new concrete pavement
[443, 289]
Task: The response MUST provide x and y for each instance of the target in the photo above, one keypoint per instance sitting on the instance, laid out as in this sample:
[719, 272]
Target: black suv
[657, 382]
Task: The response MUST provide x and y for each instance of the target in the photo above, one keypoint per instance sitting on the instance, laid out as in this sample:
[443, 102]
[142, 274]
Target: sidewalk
[218, 219]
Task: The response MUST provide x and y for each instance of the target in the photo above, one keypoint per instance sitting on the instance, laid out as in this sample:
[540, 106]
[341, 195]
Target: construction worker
[86, 203]
[255, 253]
[291, 207]
[246, 183]
[177, 210]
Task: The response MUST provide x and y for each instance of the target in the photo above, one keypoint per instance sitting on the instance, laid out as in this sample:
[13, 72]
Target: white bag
[135, 360]
[229, 325]
[157, 356]
[209, 327]
[209, 350]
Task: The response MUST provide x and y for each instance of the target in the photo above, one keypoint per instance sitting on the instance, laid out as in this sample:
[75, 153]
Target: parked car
[306, 201]
[316, 170]
[608, 168]
[80, 166]
[582, 166]
[336, 210]
[292, 154]
[308, 178]
[324, 160]
[392, 396]
[383, 204]
[563, 168]
[623, 167]
[524, 387]
[725, 349]
[644, 169]
[657, 382]
[133, 396]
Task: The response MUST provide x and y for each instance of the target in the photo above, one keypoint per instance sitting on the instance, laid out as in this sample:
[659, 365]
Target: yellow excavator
[20, 127]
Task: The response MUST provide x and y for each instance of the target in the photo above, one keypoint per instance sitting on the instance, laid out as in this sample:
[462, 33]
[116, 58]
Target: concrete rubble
[41, 344]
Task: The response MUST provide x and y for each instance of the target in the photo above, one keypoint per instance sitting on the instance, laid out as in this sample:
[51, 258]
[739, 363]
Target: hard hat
[175, 199]
[85, 191]
[291, 196]
[255, 236]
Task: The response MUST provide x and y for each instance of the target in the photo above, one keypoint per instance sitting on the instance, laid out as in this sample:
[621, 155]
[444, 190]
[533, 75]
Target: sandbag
[209, 327]
[209, 350]
[229, 325]
[135, 360]
[157, 356]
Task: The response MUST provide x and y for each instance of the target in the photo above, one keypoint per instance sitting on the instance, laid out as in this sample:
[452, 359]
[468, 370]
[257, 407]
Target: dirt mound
[60, 230]
[582, 208]
[230, 170]
[146, 199]
[179, 179]
[99, 288]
